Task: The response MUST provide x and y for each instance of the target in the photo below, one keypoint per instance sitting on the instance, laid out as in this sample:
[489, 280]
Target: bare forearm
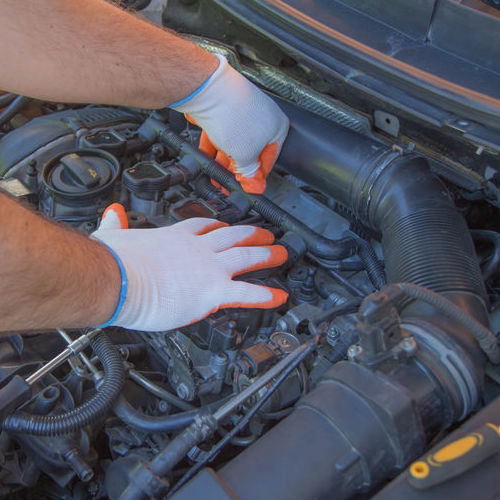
[89, 51]
[51, 276]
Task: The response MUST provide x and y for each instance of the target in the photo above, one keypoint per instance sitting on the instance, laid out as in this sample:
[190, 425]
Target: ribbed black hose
[13, 108]
[88, 412]
[425, 239]
[373, 267]
[432, 248]
[317, 244]
[206, 189]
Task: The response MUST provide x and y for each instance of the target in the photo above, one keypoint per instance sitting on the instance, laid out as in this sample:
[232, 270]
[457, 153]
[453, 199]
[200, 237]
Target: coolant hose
[107, 392]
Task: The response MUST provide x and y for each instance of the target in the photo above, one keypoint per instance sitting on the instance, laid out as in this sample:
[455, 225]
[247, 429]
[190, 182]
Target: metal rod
[81, 355]
[48, 367]
[352, 288]
[240, 398]
[73, 349]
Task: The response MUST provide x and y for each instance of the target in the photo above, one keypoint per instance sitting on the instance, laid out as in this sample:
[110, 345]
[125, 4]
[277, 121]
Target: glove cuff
[123, 288]
[220, 68]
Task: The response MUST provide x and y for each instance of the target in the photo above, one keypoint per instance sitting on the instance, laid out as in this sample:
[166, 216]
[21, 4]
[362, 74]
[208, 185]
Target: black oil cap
[76, 173]
[80, 174]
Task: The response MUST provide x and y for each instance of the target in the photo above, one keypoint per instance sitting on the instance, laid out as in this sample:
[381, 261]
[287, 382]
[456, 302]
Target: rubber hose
[90, 411]
[485, 338]
[317, 244]
[492, 266]
[138, 420]
[425, 240]
[167, 423]
[431, 248]
[13, 108]
[373, 267]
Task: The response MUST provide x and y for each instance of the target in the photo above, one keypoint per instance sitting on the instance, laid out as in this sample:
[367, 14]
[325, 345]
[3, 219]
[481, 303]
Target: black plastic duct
[425, 240]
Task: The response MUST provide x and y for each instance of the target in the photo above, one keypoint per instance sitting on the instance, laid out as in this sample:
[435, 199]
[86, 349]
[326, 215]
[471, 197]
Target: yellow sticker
[93, 173]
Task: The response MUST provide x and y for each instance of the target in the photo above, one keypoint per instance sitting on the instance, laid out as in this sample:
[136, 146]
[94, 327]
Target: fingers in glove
[114, 217]
[257, 183]
[206, 145]
[241, 260]
[238, 236]
[247, 295]
[200, 225]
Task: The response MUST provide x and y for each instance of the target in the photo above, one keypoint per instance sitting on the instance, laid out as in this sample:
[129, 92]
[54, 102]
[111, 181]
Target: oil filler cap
[80, 173]
[76, 173]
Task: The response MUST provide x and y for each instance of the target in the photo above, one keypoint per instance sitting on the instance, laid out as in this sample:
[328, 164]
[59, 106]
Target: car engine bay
[386, 345]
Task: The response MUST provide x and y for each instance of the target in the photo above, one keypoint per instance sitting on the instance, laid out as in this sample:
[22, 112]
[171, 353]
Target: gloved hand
[241, 124]
[177, 275]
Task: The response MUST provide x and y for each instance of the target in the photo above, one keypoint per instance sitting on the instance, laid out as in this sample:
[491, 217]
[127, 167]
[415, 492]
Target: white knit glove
[177, 275]
[241, 124]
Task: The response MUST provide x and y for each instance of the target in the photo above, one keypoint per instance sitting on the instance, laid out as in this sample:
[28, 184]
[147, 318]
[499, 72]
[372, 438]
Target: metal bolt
[182, 391]
[409, 345]
[333, 335]
[354, 351]
[163, 406]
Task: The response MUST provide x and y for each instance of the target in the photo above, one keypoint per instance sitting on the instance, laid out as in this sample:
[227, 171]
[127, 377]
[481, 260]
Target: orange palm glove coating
[242, 127]
[179, 274]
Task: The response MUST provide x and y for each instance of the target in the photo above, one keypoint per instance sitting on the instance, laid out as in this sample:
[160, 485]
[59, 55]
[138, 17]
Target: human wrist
[184, 103]
[111, 288]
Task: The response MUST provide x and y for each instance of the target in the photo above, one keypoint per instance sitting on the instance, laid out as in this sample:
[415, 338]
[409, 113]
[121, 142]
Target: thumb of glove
[114, 217]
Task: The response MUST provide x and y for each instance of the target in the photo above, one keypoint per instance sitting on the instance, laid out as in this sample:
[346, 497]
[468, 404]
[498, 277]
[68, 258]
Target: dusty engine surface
[78, 162]
[373, 378]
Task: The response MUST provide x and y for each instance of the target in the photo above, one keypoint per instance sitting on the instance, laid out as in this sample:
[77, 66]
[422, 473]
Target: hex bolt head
[409, 345]
[163, 406]
[182, 391]
[354, 351]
